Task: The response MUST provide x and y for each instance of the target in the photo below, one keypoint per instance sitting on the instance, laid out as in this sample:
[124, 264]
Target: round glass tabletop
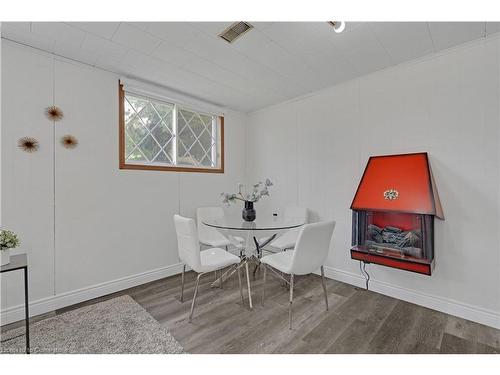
[263, 223]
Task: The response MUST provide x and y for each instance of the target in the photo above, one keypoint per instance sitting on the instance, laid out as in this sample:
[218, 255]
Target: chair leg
[324, 286]
[264, 285]
[194, 297]
[248, 285]
[241, 288]
[182, 282]
[256, 268]
[290, 306]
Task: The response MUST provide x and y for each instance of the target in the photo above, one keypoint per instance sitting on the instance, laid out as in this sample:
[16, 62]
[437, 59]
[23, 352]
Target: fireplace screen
[394, 239]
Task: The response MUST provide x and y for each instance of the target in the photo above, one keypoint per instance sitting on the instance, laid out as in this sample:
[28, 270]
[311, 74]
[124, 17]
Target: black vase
[248, 213]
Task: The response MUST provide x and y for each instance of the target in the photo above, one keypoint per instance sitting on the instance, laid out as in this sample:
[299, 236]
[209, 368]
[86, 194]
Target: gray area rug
[118, 325]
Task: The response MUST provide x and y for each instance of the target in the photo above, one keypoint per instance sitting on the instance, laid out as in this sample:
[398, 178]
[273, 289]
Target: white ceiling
[274, 62]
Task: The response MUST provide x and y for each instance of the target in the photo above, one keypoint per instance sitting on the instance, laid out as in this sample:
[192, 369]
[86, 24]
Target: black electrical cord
[367, 275]
[362, 268]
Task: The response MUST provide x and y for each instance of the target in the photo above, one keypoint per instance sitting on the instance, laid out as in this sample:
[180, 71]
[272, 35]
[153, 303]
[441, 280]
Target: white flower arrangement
[259, 190]
[8, 240]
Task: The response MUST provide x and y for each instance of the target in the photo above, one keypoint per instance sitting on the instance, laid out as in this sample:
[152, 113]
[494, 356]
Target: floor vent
[234, 31]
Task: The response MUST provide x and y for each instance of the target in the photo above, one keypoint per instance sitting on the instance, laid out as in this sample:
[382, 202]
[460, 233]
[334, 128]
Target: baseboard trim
[44, 305]
[448, 306]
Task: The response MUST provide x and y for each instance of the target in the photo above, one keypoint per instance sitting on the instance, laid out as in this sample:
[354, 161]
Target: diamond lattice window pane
[129, 145]
[129, 110]
[186, 137]
[135, 129]
[163, 109]
[183, 157]
[136, 103]
[149, 116]
[197, 125]
[162, 157]
[148, 130]
[207, 120]
[206, 140]
[207, 161]
[136, 156]
[169, 150]
[186, 160]
[162, 134]
[149, 147]
[197, 152]
[196, 138]
[185, 116]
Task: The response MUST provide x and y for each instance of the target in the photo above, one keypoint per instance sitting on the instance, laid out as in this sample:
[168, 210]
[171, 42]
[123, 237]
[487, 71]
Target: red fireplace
[393, 213]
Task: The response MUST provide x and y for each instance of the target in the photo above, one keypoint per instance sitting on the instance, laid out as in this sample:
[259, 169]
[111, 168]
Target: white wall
[27, 179]
[315, 149]
[103, 229]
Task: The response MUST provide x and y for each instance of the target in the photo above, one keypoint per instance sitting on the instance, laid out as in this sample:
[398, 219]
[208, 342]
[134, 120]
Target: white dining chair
[201, 262]
[287, 241]
[209, 236]
[310, 253]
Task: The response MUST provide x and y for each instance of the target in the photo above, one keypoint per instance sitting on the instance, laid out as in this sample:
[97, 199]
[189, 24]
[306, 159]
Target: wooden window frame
[124, 165]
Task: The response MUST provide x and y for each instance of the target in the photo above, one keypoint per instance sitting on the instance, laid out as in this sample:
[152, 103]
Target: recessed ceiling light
[338, 26]
[235, 30]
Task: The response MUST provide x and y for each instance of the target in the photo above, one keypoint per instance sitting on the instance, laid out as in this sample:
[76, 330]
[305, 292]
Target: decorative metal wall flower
[68, 141]
[54, 113]
[28, 144]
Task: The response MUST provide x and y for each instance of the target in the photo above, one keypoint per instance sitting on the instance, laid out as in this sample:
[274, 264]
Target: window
[161, 135]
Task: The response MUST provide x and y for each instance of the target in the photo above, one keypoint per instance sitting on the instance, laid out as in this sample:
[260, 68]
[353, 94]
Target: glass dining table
[255, 235]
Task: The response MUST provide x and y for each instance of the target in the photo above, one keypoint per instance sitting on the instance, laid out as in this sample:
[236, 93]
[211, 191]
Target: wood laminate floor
[358, 321]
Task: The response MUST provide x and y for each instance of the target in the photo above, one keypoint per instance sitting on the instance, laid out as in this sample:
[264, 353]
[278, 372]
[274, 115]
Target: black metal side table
[20, 262]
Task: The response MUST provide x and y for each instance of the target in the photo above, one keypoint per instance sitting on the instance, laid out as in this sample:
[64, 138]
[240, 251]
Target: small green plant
[8, 240]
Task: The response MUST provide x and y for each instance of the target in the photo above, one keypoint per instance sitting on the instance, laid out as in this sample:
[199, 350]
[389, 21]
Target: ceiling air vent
[234, 31]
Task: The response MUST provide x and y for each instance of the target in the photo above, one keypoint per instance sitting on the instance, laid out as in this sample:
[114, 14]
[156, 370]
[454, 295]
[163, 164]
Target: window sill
[170, 169]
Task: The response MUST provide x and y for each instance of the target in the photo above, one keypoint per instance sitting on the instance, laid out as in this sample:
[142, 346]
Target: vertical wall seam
[54, 169]
[497, 48]
[360, 166]
[296, 114]
[179, 192]
[178, 202]
[430, 36]
[246, 167]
